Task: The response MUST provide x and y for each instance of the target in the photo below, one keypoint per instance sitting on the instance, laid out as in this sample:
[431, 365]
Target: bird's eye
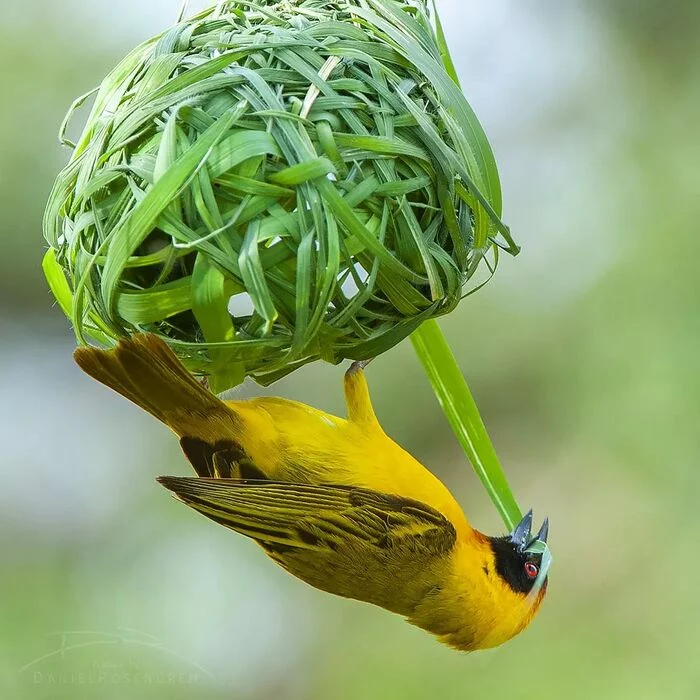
[531, 570]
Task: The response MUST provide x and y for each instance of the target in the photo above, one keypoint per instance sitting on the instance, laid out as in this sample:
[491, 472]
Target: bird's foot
[359, 366]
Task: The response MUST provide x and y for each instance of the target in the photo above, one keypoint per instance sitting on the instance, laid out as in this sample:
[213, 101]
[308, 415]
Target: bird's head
[513, 584]
[522, 560]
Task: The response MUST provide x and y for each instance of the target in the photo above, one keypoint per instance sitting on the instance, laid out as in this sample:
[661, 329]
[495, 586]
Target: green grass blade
[461, 410]
[210, 307]
[57, 282]
[143, 217]
[445, 53]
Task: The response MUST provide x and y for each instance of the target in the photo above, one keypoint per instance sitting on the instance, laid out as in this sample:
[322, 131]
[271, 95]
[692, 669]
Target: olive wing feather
[324, 518]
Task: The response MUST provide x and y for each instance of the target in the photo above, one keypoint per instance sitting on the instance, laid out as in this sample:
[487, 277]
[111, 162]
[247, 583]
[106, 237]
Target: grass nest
[269, 183]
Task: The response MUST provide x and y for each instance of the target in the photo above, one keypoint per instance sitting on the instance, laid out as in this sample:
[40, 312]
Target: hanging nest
[269, 183]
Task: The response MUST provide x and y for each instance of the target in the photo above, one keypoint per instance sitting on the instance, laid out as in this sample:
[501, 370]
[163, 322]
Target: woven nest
[269, 183]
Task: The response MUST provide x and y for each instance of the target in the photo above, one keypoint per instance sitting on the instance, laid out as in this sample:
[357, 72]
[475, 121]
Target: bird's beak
[544, 531]
[521, 535]
[523, 539]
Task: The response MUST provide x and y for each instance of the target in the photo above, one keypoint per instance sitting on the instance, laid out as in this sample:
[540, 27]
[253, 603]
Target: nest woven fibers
[269, 183]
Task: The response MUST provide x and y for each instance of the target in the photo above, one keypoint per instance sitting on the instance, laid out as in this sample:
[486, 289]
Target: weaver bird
[335, 501]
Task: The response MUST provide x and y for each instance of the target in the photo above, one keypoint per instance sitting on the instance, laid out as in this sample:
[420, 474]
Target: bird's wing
[323, 519]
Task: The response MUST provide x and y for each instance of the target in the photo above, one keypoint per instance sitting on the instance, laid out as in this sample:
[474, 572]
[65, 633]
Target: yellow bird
[335, 502]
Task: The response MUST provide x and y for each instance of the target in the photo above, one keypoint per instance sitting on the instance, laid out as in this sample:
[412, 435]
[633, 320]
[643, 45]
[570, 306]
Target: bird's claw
[359, 365]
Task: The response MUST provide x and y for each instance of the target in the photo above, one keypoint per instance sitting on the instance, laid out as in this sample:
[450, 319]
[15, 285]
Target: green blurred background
[583, 355]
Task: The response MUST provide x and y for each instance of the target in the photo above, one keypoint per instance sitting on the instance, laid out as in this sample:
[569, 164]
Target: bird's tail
[146, 371]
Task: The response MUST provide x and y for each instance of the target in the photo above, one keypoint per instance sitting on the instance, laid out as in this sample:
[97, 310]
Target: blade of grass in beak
[450, 386]
[459, 406]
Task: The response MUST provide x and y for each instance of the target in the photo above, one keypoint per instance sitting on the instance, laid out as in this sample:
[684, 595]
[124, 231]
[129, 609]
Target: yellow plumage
[336, 502]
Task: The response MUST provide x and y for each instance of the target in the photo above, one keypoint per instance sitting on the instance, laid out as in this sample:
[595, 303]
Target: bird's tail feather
[146, 371]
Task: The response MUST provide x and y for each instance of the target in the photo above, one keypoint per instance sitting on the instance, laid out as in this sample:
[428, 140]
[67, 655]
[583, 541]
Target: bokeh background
[583, 354]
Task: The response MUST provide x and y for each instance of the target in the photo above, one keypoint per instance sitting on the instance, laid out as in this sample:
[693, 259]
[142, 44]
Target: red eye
[531, 570]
